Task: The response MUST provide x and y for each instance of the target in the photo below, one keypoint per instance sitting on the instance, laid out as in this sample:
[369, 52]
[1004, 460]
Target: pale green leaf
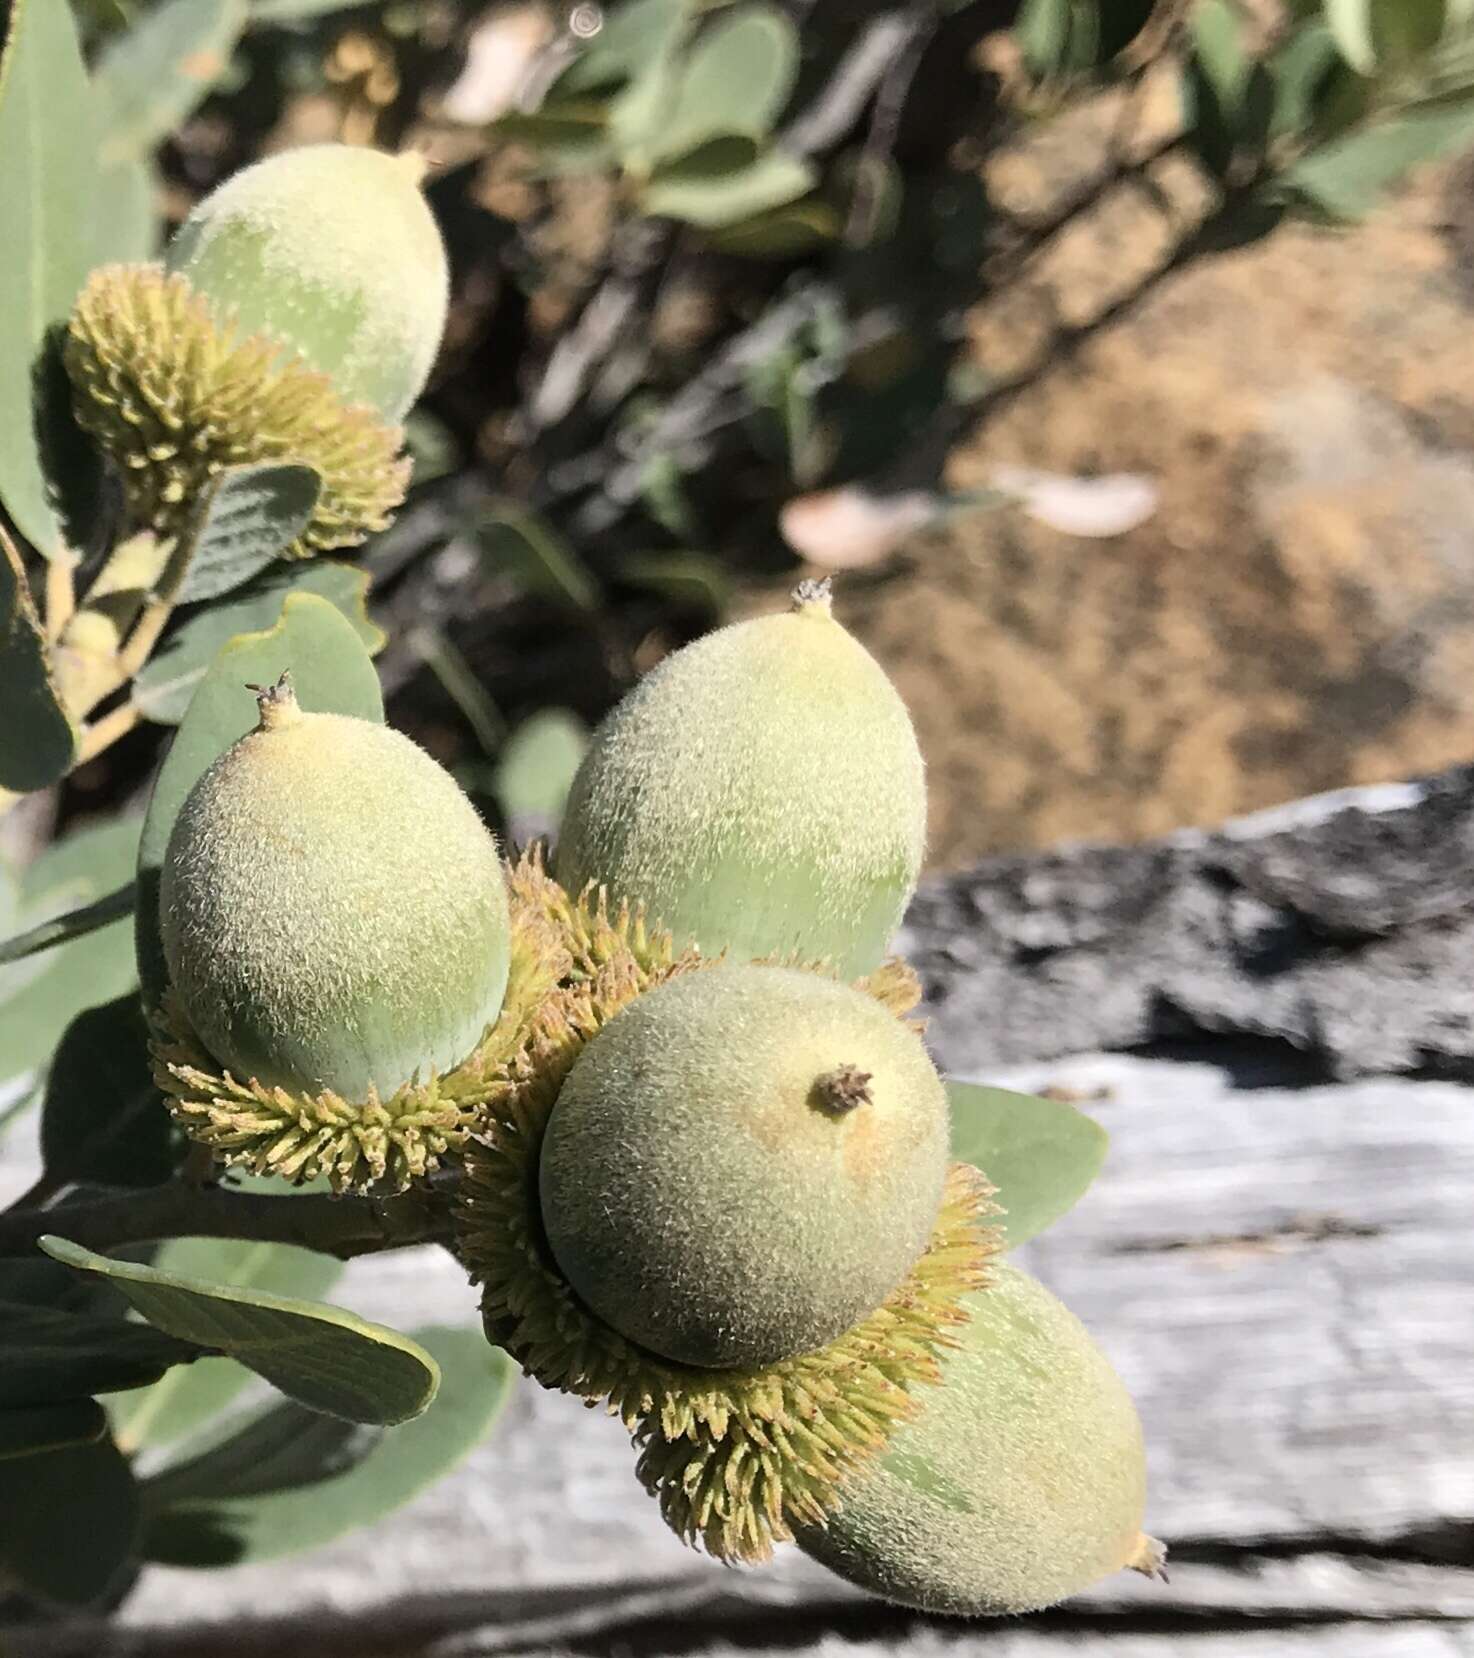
[1345, 179]
[737, 78]
[536, 768]
[1404, 32]
[324, 1358]
[48, 171]
[700, 190]
[248, 517]
[1042, 30]
[162, 690]
[128, 224]
[1350, 23]
[150, 77]
[518, 542]
[1041, 1154]
[185, 1398]
[42, 994]
[634, 36]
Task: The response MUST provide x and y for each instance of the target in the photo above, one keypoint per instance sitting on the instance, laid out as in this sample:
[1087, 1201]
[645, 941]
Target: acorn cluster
[700, 1153]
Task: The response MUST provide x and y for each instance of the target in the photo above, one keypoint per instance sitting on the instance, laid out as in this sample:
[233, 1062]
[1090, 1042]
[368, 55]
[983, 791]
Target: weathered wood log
[1342, 927]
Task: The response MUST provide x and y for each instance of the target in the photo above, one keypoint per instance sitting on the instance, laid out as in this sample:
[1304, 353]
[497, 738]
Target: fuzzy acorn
[331, 250]
[296, 318]
[1022, 1481]
[761, 792]
[336, 931]
[744, 1163]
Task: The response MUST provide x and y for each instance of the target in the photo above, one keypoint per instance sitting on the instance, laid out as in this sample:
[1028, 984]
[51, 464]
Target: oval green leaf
[249, 516]
[1041, 1154]
[69, 1523]
[162, 690]
[42, 994]
[287, 1481]
[703, 190]
[321, 1356]
[48, 169]
[535, 771]
[333, 674]
[187, 1397]
[153, 75]
[737, 78]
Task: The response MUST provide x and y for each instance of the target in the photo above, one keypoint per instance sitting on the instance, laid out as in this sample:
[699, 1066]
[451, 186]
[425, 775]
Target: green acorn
[761, 792]
[735, 1457]
[744, 1163]
[335, 926]
[332, 251]
[1021, 1481]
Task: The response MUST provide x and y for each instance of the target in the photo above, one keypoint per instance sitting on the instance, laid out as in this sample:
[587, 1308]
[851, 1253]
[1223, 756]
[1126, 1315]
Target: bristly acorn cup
[761, 792]
[335, 923]
[296, 319]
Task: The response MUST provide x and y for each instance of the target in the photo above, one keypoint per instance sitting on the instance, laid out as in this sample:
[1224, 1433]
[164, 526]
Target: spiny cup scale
[760, 792]
[332, 908]
[744, 1163]
[1021, 1482]
[331, 250]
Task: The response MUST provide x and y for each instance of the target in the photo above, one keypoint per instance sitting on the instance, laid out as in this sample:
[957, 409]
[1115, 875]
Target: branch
[343, 1227]
[74, 924]
[860, 72]
[606, 319]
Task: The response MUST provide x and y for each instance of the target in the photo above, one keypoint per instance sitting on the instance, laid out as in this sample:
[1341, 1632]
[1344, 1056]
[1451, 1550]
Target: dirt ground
[1299, 614]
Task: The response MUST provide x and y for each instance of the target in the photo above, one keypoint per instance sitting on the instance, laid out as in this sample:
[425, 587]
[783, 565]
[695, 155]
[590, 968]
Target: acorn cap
[761, 791]
[173, 398]
[1020, 1481]
[331, 251]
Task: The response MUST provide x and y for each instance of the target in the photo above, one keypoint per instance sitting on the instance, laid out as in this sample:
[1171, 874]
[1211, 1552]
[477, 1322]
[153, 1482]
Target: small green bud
[744, 1163]
[1021, 1480]
[331, 250]
[760, 792]
[333, 911]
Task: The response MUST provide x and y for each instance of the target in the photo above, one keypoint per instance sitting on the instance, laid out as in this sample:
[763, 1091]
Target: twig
[38, 1195]
[343, 1227]
[145, 635]
[74, 924]
[639, 248]
[103, 733]
[61, 592]
[885, 124]
[863, 68]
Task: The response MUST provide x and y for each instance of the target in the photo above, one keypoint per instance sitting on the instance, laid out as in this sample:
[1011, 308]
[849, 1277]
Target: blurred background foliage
[737, 282]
